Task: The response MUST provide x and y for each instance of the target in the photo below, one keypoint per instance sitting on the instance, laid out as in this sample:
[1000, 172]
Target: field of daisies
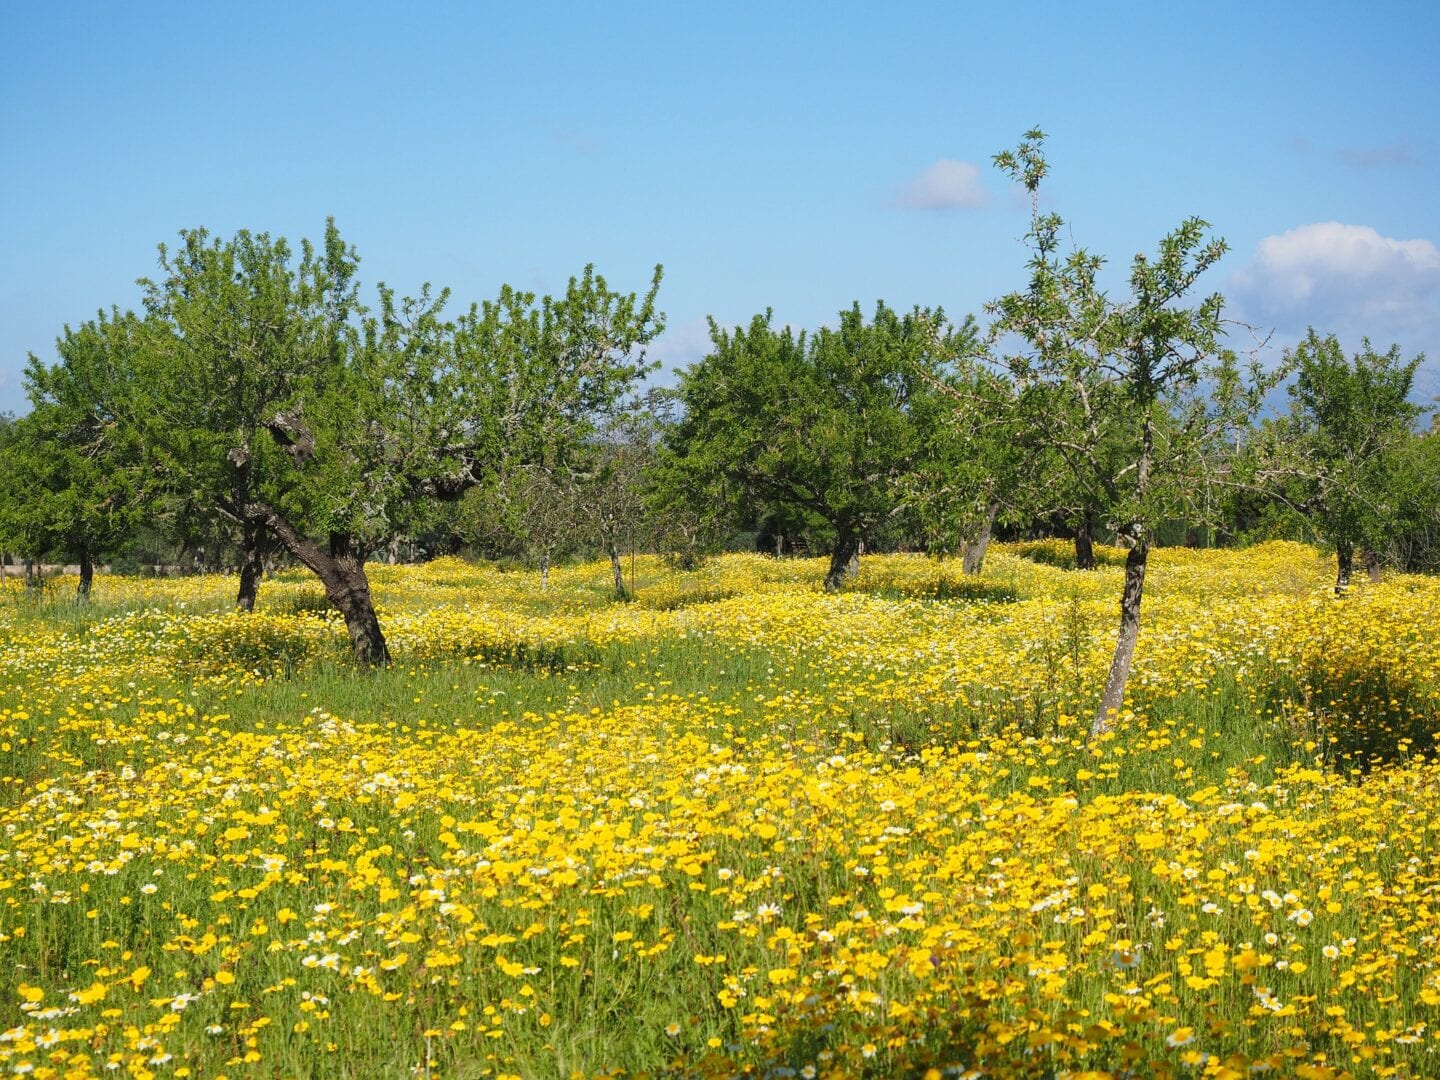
[735, 827]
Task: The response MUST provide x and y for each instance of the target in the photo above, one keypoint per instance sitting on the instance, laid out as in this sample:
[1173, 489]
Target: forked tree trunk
[844, 559]
[1114, 696]
[1344, 566]
[252, 565]
[973, 559]
[619, 572]
[341, 570]
[1084, 544]
[87, 574]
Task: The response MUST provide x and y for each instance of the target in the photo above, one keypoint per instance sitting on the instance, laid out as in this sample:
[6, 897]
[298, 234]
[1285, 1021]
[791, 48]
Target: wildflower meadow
[736, 826]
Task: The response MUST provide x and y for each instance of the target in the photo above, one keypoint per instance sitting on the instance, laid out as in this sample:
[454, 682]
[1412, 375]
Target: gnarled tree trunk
[341, 570]
[972, 561]
[252, 564]
[844, 559]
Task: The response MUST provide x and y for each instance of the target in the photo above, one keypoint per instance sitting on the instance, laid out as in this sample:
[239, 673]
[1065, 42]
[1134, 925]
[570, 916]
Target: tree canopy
[825, 425]
[1337, 455]
[263, 393]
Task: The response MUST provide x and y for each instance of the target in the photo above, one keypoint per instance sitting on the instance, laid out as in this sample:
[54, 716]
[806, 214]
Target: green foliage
[824, 428]
[1338, 456]
[513, 382]
[70, 475]
[1414, 543]
[1124, 400]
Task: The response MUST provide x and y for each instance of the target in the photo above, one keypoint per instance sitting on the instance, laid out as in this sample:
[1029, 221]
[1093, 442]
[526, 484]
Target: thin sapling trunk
[1084, 545]
[1114, 696]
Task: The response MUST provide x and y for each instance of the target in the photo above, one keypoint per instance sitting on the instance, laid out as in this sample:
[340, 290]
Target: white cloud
[945, 185]
[1347, 280]
[1335, 276]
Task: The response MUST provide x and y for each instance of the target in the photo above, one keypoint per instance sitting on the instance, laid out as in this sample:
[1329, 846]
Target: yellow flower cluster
[737, 827]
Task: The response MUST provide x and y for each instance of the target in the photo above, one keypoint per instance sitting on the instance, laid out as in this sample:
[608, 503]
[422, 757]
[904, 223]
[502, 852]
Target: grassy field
[736, 826]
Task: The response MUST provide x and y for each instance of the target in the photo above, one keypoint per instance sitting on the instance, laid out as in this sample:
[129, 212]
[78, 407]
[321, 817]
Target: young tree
[528, 511]
[1117, 390]
[611, 493]
[822, 423]
[1340, 448]
[975, 470]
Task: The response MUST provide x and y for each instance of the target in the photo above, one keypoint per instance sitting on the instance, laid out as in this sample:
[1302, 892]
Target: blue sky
[796, 157]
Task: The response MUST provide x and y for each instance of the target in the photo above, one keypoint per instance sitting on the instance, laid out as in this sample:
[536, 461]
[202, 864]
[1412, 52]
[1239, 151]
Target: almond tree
[1128, 396]
[822, 425]
[71, 480]
[280, 403]
[1349, 421]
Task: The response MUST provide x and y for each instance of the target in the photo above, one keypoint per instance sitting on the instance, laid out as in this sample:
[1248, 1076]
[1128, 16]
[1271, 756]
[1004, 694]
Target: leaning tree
[285, 407]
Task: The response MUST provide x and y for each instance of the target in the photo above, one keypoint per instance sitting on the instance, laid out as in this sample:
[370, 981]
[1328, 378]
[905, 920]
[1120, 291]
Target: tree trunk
[252, 565]
[1372, 566]
[973, 559]
[544, 570]
[619, 572]
[87, 574]
[1114, 696]
[342, 571]
[1084, 544]
[1344, 566]
[844, 560]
